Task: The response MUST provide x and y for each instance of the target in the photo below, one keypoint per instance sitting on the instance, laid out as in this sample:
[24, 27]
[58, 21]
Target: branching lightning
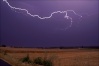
[66, 13]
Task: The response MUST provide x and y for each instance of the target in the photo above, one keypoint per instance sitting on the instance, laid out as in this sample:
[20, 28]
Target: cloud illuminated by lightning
[66, 13]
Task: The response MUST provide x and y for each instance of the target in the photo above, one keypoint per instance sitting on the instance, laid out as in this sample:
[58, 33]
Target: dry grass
[60, 57]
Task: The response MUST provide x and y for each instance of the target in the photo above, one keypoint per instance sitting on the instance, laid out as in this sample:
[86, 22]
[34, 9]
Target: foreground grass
[13, 61]
[66, 57]
[10, 60]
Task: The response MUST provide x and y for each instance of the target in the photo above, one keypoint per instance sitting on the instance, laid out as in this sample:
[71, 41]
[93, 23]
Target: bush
[44, 62]
[38, 61]
[47, 63]
[26, 59]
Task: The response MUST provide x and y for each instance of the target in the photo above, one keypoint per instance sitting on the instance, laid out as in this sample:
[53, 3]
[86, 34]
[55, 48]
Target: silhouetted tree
[3, 45]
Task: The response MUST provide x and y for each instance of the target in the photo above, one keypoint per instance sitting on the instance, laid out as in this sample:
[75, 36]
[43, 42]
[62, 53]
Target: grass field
[59, 57]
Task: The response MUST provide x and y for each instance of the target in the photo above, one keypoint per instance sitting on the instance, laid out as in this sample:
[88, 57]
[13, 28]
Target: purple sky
[20, 29]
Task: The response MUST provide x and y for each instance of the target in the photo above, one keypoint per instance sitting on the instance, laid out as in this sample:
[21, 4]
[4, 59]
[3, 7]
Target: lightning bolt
[66, 13]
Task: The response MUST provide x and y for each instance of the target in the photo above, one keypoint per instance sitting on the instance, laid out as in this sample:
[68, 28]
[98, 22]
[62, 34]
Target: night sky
[19, 29]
